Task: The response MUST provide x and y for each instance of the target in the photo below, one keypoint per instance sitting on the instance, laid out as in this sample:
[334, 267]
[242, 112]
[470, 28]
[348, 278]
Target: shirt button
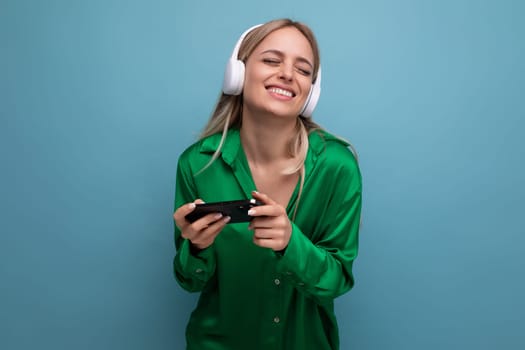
[277, 281]
[276, 319]
[198, 271]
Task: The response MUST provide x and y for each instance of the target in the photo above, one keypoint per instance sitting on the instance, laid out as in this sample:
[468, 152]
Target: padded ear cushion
[313, 97]
[233, 77]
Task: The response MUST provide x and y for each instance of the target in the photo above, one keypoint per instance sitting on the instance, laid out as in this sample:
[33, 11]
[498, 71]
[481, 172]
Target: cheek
[253, 83]
[253, 76]
[306, 86]
[306, 82]
[249, 88]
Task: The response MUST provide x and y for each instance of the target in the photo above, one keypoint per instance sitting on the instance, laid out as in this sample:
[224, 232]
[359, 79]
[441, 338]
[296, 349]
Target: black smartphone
[236, 210]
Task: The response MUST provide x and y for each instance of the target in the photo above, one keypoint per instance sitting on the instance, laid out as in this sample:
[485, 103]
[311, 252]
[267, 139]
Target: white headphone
[234, 79]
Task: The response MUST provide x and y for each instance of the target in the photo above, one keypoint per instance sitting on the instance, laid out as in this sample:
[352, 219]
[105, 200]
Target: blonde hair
[228, 110]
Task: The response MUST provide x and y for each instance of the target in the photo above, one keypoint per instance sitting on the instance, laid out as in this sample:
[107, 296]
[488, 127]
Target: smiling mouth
[281, 92]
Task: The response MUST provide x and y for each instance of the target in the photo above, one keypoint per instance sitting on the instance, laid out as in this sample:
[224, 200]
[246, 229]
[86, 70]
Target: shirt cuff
[198, 265]
[293, 259]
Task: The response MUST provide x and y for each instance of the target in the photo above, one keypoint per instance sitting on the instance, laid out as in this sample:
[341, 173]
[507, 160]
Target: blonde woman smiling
[269, 283]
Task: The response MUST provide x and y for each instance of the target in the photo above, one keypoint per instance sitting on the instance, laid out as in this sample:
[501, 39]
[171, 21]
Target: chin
[283, 115]
[275, 110]
[281, 112]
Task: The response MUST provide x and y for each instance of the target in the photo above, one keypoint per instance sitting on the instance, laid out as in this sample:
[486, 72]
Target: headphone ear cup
[233, 77]
[233, 81]
[313, 98]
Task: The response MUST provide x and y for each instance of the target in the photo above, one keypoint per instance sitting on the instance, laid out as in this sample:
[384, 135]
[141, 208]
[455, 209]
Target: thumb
[263, 198]
[183, 210]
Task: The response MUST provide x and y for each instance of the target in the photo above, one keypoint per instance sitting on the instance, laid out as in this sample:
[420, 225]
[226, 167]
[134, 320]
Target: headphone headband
[235, 52]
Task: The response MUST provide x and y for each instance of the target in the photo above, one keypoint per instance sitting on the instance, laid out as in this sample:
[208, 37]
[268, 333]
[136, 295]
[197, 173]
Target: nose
[286, 72]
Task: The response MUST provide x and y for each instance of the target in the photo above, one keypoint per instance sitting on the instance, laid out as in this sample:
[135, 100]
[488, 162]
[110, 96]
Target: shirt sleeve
[323, 270]
[192, 269]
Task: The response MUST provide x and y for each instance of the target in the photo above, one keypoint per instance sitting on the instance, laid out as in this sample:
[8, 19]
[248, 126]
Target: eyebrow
[281, 54]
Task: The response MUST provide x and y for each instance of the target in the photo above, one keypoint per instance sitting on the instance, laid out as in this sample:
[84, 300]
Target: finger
[206, 221]
[209, 233]
[206, 237]
[266, 243]
[264, 233]
[262, 222]
[186, 209]
[267, 210]
[197, 229]
[192, 230]
[181, 212]
[263, 198]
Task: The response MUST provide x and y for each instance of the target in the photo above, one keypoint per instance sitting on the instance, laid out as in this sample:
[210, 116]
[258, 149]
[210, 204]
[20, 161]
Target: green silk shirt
[254, 298]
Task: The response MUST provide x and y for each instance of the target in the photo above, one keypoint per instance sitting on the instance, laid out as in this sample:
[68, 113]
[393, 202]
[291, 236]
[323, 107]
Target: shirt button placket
[276, 318]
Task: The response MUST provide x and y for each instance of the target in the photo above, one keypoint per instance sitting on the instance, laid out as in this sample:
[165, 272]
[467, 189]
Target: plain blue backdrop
[98, 99]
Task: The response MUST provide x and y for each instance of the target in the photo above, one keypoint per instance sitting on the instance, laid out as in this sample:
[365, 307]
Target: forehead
[288, 40]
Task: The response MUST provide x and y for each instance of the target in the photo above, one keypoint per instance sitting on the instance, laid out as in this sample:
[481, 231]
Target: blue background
[98, 99]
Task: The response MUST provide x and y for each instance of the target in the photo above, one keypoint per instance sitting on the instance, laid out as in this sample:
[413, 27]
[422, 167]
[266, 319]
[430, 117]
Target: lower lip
[279, 96]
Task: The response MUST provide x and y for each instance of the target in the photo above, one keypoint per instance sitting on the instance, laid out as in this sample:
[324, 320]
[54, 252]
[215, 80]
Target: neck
[267, 142]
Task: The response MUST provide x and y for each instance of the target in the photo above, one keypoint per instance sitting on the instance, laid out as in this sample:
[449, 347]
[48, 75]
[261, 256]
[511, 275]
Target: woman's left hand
[271, 226]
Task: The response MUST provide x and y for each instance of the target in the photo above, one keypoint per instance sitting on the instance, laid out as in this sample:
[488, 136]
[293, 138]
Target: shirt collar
[232, 145]
[230, 148]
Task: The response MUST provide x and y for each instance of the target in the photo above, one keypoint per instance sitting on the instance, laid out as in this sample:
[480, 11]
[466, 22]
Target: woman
[269, 284]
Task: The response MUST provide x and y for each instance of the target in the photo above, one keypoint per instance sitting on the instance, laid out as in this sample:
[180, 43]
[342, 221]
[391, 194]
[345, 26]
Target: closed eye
[305, 72]
[271, 61]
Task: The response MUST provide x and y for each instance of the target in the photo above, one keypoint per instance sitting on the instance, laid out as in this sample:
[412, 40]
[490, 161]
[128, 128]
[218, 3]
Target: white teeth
[281, 92]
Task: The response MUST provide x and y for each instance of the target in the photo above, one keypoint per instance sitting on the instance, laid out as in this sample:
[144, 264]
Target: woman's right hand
[202, 232]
